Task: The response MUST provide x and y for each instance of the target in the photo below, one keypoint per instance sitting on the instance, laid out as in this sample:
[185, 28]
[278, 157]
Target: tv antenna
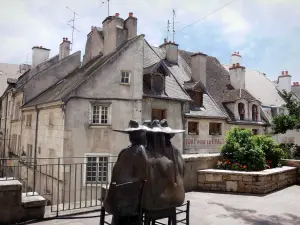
[103, 2]
[168, 30]
[72, 25]
[174, 15]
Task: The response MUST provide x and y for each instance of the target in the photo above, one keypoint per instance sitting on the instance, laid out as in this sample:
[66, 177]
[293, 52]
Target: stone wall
[246, 182]
[294, 163]
[195, 162]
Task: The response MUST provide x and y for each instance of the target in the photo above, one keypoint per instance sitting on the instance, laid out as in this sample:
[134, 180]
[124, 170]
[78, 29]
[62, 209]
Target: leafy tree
[282, 123]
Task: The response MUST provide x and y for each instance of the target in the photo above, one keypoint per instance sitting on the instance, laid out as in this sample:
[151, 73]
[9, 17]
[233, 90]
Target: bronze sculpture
[153, 158]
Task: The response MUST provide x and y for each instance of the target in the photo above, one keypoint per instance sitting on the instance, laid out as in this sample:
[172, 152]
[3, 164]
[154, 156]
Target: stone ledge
[197, 157]
[30, 200]
[9, 184]
[260, 182]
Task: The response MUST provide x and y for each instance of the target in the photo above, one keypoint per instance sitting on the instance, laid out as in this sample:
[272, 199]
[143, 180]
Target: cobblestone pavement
[278, 208]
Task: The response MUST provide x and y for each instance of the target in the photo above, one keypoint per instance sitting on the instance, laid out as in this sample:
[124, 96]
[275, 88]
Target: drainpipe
[4, 141]
[183, 127]
[35, 146]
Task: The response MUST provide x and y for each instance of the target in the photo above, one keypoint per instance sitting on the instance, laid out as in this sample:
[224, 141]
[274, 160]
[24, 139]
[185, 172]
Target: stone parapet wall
[246, 182]
[195, 162]
[294, 163]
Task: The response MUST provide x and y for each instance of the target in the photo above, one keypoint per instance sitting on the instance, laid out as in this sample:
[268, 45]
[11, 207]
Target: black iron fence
[67, 183]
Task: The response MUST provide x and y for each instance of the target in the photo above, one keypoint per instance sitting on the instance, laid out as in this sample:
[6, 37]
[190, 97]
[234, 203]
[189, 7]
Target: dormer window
[254, 113]
[197, 97]
[241, 108]
[157, 84]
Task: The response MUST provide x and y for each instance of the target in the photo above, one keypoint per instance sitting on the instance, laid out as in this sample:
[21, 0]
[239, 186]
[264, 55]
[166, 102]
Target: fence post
[57, 203]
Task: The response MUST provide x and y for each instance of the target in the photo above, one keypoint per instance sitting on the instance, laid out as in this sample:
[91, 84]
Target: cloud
[260, 29]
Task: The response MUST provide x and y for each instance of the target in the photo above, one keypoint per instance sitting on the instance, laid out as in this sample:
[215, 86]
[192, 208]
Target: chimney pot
[130, 14]
[233, 66]
[286, 72]
[237, 64]
[282, 72]
[165, 40]
[117, 14]
[238, 53]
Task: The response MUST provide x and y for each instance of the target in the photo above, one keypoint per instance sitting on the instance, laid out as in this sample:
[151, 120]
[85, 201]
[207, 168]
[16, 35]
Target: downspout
[35, 146]
[183, 127]
[4, 141]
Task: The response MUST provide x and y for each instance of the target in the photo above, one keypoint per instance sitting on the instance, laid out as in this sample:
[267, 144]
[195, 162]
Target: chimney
[237, 71]
[171, 49]
[199, 67]
[114, 33]
[64, 48]
[39, 55]
[285, 82]
[236, 58]
[94, 44]
[131, 26]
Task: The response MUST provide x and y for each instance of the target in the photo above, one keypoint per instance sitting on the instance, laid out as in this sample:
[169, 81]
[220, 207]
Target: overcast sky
[266, 32]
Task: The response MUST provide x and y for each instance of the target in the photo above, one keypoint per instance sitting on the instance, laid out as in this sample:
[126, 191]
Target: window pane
[104, 115]
[91, 169]
[96, 113]
[124, 77]
[103, 169]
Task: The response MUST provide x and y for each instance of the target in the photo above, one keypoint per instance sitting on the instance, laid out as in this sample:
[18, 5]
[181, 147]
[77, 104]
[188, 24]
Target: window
[193, 128]
[254, 113]
[157, 84]
[197, 97]
[215, 128]
[125, 77]
[158, 114]
[241, 108]
[28, 120]
[255, 131]
[100, 114]
[29, 153]
[97, 169]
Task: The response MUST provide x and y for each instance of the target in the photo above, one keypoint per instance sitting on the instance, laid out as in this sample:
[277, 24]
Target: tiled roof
[210, 109]
[153, 57]
[65, 86]
[236, 94]
[263, 89]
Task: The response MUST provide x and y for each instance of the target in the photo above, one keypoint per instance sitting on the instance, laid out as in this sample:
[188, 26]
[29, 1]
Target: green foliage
[283, 123]
[271, 149]
[291, 151]
[240, 148]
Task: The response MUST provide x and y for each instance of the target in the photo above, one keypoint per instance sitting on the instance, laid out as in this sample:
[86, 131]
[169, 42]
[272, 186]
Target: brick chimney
[64, 48]
[285, 81]
[199, 67]
[39, 55]
[237, 71]
[171, 49]
[114, 33]
[131, 25]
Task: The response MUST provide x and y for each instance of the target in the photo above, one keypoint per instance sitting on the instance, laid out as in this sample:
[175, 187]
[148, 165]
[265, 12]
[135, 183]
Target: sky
[265, 32]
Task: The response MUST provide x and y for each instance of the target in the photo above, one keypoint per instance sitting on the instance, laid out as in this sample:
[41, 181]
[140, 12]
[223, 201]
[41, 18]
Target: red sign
[198, 143]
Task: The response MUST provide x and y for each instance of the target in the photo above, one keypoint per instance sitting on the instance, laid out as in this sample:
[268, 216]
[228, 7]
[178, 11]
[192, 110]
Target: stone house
[269, 93]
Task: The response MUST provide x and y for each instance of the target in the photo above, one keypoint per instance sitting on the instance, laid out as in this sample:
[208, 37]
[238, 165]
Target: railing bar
[85, 184]
[97, 192]
[52, 170]
[58, 171]
[75, 192]
[70, 175]
[46, 179]
[91, 187]
[80, 185]
[27, 180]
[40, 180]
[64, 186]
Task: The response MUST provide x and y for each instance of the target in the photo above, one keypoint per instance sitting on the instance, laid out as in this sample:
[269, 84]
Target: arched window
[254, 113]
[241, 107]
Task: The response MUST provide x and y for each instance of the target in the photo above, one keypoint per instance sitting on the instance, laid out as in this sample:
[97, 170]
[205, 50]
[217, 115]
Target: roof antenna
[168, 30]
[108, 7]
[174, 25]
[73, 25]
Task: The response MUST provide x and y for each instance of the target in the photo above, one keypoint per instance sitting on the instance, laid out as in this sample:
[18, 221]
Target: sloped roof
[262, 88]
[154, 57]
[211, 110]
[236, 94]
[65, 86]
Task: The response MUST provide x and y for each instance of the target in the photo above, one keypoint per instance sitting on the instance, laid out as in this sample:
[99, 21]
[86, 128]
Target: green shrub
[291, 151]
[271, 149]
[240, 148]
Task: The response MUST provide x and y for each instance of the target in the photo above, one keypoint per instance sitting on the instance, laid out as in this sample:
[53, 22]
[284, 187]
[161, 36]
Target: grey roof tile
[236, 94]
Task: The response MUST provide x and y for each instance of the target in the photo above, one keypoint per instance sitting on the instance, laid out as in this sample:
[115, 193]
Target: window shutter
[90, 113]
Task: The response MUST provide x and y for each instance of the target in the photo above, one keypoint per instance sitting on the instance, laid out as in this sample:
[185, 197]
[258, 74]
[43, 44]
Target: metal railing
[67, 183]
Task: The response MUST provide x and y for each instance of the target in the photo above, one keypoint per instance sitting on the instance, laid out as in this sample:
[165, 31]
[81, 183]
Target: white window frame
[100, 110]
[109, 169]
[221, 128]
[129, 75]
